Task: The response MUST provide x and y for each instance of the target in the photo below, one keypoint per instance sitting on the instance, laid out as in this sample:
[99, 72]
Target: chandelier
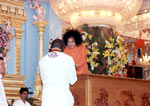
[141, 22]
[107, 12]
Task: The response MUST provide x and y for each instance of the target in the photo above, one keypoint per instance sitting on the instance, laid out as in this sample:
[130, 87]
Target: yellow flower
[92, 57]
[96, 65]
[111, 39]
[121, 48]
[110, 45]
[93, 62]
[90, 37]
[111, 54]
[87, 60]
[92, 50]
[88, 52]
[112, 69]
[115, 59]
[106, 53]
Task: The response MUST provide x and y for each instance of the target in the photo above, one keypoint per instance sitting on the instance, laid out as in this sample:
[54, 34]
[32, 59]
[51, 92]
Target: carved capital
[17, 23]
[40, 25]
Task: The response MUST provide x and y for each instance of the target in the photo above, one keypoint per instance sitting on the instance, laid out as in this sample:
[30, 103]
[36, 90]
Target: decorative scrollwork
[145, 99]
[127, 99]
[103, 98]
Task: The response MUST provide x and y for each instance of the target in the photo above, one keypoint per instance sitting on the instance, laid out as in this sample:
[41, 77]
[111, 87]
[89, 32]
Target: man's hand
[77, 66]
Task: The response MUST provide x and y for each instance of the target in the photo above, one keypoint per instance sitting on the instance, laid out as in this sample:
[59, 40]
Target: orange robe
[79, 55]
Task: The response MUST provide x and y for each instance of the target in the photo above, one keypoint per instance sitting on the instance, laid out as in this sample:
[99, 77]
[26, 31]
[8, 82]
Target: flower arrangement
[115, 55]
[92, 51]
[5, 37]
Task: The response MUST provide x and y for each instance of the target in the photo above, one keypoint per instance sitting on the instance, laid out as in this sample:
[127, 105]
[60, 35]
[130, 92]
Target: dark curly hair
[23, 89]
[75, 34]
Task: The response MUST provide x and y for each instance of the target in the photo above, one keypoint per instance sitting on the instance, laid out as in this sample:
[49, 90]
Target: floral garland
[92, 51]
[5, 37]
[115, 55]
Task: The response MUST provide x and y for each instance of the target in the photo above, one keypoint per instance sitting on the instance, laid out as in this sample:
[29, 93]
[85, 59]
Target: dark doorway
[135, 72]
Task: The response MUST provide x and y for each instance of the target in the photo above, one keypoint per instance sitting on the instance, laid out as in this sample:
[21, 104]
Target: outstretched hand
[77, 66]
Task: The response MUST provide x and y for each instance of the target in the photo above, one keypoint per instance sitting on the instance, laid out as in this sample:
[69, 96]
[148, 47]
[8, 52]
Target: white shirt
[21, 103]
[3, 101]
[57, 74]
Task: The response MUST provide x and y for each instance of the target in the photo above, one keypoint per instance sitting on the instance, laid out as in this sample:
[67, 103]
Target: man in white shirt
[23, 96]
[58, 73]
[3, 101]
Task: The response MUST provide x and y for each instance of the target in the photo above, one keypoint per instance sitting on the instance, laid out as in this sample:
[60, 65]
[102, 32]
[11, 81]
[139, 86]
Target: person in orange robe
[75, 49]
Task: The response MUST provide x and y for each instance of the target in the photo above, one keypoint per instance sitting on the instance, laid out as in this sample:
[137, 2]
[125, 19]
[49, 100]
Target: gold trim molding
[12, 10]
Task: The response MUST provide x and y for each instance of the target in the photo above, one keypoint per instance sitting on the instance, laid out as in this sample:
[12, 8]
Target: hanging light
[108, 12]
[141, 21]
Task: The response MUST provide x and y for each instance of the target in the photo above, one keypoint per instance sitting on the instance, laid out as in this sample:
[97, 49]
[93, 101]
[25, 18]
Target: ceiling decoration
[127, 17]
[140, 22]
[46, 1]
[79, 12]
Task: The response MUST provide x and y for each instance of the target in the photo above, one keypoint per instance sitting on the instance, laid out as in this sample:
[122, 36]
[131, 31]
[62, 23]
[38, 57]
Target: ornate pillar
[38, 84]
[13, 11]
[40, 25]
[18, 35]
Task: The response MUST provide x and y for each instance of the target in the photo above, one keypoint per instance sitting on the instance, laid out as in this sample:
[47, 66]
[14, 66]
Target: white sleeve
[28, 104]
[72, 70]
[40, 69]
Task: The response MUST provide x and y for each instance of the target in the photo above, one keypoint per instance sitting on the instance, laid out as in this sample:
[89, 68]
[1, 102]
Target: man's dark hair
[1, 58]
[75, 34]
[23, 89]
[57, 43]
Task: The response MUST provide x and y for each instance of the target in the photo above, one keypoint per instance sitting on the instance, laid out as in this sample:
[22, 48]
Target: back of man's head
[57, 43]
